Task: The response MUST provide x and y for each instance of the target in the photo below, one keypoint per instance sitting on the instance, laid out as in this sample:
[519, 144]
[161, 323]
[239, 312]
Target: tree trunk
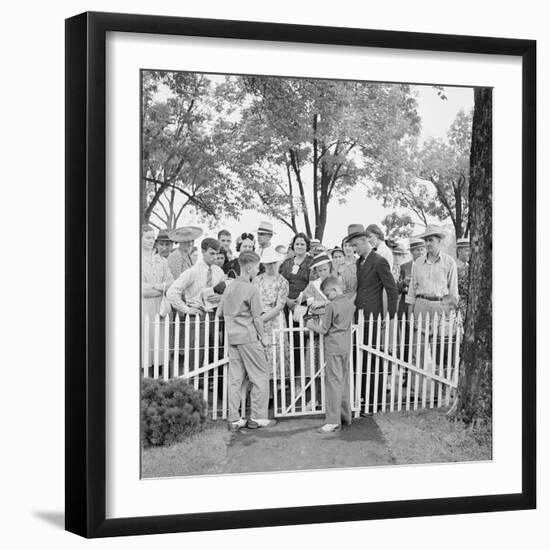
[474, 403]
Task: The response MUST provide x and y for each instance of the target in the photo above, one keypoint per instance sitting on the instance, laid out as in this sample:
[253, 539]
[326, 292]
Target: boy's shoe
[328, 428]
[254, 423]
[235, 426]
[345, 422]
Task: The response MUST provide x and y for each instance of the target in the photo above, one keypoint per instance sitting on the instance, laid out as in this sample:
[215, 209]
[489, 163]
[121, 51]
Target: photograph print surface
[315, 273]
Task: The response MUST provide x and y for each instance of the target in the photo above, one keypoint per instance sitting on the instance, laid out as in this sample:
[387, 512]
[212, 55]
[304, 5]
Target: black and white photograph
[316, 273]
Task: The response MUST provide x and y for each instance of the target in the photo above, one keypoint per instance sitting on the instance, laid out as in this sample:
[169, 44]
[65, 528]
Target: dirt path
[295, 445]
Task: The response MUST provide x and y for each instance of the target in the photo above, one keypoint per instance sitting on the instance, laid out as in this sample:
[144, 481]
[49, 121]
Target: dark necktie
[209, 276]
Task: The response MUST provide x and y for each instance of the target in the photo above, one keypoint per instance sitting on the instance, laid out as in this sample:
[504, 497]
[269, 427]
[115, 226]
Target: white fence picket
[359, 338]
[166, 352]
[402, 333]
[302, 365]
[393, 365]
[427, 359]
[386, 323]
[369, 359]
[442, 342]
[216, 373]
[282, 366]
[145, 357]
[433, 360]
[156, 347]
[225, 373]
[448, 365]
[205, 351]
[376, 366]
[418, 353]
[410, 359]
[176, 345]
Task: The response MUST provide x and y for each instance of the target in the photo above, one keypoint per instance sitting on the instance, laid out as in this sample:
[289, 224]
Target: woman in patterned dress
[274, 293]
[155, 280]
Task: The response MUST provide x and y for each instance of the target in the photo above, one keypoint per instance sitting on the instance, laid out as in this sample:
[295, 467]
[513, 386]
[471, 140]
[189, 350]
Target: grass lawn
[414, 437]
[202, 453]
[421, 437]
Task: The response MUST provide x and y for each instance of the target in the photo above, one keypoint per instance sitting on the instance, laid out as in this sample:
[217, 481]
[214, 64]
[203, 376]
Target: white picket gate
[400, 364]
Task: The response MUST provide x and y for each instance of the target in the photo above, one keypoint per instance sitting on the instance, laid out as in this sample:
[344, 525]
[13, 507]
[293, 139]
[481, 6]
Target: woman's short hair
[243, 237]
[375, 230]
[301, 236]
[210, 242]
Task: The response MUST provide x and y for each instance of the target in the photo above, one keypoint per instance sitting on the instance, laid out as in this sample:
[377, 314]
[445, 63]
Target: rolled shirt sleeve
[177, 291]
[411, 294]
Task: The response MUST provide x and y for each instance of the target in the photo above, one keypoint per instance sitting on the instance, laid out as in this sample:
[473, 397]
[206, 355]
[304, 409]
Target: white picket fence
[400, 364]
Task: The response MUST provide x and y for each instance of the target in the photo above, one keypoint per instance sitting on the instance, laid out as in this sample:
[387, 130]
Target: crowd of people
[248, 287]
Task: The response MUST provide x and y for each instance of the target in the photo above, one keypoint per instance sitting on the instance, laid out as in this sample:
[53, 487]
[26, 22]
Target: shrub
[170, 411]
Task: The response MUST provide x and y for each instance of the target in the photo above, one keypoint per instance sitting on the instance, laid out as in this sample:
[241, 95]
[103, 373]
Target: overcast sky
[436, 114]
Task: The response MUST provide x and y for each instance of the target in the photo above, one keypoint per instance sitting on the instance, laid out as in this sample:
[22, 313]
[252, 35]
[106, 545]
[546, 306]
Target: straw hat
[320, 259]
[432, 231]
[460, 243]
[265, 227]
[399, 249]
[185, 234]
[270, 256]
[415, 243]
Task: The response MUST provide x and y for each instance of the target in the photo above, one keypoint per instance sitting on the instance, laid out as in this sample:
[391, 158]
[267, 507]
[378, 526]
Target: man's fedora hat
[415, 243]
[185, 234]
[462, 242]
[432, 231]
[265, 227]
[355, 230]
[163, 236]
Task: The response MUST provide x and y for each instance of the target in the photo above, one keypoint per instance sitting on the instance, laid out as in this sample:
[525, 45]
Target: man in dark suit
[373, 277]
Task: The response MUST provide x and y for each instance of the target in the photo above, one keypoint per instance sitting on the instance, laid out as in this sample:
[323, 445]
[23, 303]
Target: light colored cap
[462, 242]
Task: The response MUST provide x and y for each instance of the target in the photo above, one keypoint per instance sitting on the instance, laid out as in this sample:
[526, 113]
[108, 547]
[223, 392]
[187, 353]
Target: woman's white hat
[320, 259]
[270, 256]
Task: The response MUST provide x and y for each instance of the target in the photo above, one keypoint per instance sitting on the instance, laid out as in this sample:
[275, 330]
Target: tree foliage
[303, 143]
[429, 180]
[181, 152]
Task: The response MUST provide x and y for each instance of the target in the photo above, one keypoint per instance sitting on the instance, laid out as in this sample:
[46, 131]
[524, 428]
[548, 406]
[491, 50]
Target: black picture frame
[86, 273]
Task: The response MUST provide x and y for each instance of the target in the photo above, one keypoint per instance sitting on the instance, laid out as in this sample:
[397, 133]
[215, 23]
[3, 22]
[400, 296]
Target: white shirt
[186, 291]
[385, 252]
